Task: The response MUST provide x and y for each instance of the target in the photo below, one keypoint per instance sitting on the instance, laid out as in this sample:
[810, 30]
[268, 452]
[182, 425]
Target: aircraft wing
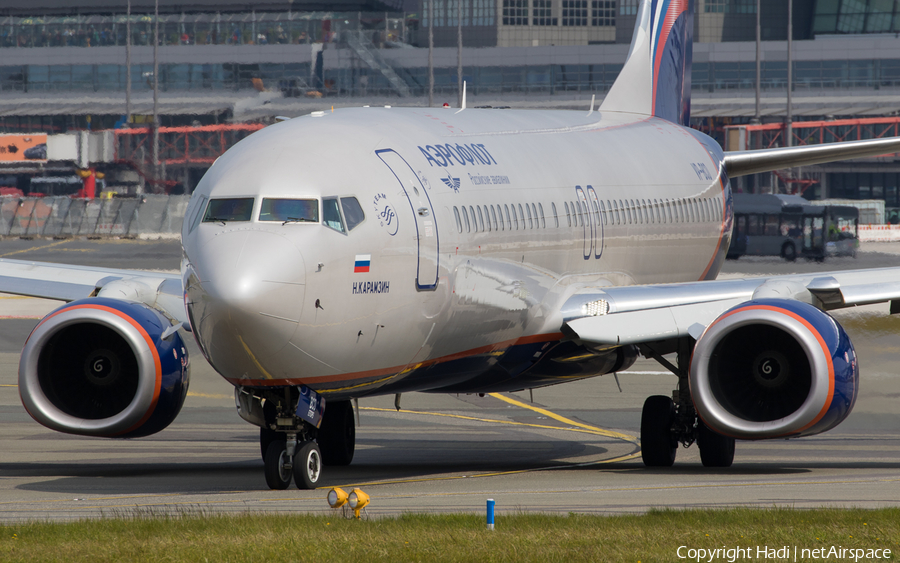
[612, 316]
[68, 283]
[742, 163]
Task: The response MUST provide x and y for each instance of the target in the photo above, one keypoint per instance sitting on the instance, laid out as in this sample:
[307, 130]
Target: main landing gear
[292, 448]
[669, 421]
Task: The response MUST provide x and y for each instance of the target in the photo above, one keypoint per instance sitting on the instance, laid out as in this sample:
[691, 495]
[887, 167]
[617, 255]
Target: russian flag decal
[362, 263]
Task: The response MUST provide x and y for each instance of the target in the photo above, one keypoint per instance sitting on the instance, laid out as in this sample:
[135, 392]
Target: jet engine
[104, 367]
[773, 368]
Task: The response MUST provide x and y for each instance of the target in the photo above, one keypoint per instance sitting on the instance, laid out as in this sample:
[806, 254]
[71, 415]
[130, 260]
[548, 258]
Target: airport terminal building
[228, 64]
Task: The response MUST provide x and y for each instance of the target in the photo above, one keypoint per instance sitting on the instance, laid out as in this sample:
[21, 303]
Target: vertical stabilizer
[656, 78]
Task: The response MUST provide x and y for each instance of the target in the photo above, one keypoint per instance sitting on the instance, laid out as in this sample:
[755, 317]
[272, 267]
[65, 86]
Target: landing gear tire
[715, 450]
[307, 466]
[278, 472]
[266, 437]
[337, 434]
[657, 445]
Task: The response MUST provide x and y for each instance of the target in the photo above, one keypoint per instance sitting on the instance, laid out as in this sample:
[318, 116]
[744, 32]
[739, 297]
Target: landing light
[357, 501]
[595, 308]
[337, 497]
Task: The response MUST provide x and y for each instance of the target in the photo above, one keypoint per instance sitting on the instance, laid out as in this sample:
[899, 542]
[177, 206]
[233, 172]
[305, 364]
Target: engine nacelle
[773, 368]
[99, 367]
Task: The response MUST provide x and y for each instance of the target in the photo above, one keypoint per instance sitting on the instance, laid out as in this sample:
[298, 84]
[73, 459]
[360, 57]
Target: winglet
[463, 105]
[656, 78]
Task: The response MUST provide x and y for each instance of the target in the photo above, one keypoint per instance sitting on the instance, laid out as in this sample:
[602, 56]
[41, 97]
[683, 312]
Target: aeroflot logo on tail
[456, 154]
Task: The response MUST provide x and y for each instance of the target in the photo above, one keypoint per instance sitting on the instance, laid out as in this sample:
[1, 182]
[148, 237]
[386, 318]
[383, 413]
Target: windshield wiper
[214, 220]
[295, 220]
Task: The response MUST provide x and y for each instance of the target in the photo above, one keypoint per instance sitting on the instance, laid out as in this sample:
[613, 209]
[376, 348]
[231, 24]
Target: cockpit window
[224, 210]
[197, 214]
[353, 212]
[331, 214]
[289, 210]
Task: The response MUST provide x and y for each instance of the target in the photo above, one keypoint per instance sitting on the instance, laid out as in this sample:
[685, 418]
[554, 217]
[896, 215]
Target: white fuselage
[478, 225]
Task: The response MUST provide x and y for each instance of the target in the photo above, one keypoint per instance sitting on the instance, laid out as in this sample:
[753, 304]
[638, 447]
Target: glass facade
[865, 185]
[295, 78]
[729, 6]
[264, 28]
[856, 16]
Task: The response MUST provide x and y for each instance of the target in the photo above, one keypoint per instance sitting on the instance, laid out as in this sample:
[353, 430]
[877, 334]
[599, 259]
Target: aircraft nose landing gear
[288, 419]
[286, 459]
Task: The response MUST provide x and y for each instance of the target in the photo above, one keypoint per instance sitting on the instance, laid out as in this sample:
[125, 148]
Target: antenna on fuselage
[463, 106]
[593, 97]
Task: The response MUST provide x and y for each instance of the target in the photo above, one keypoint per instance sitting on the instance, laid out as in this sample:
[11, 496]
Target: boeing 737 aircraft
[377, 251]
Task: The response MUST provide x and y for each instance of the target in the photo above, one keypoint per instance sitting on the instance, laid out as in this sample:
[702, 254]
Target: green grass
[654, 536]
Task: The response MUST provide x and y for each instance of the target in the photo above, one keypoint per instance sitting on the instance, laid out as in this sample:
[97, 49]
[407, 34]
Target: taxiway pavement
[573, 449]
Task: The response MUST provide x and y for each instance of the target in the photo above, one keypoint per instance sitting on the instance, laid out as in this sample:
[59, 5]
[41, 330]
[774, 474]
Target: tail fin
[656, 78]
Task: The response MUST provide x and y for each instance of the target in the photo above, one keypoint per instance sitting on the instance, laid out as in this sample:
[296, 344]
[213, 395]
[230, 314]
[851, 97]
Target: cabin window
[603, 218]
[458, 220]
[568, 216]
[508, 220]
[522, 216]
[555, 216]
[515, 216]
[646, 211]
[528, 210]
[466, 217]
[225, 210]
[289, 210]
[494, 219]
[480, 221]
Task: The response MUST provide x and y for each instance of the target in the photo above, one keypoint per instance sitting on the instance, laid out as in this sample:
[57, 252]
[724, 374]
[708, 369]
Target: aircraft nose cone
[247, 300]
